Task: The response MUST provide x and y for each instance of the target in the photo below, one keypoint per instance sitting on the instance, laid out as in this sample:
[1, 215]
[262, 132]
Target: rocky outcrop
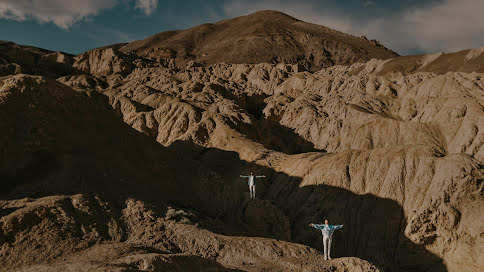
[83, 82]
[17, 59]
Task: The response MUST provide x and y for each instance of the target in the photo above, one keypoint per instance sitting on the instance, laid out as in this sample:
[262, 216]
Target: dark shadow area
[38, 165]
[22, 60]
[280, 138]
[270, 133]
[254, 104]
[373, 226]
[5, 211]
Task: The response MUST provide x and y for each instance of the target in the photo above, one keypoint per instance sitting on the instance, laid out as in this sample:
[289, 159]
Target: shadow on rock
[373, 226]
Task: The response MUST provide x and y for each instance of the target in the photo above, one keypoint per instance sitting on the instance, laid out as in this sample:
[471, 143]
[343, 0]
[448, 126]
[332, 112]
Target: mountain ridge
[263, 36]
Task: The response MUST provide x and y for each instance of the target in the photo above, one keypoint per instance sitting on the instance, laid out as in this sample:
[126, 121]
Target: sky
[405, 26]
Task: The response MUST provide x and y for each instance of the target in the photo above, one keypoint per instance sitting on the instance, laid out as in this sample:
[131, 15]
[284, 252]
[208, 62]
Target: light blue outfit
[251, 183]
[327, 231]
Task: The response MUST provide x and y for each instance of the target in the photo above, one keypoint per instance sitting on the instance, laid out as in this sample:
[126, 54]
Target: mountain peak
[270, 14]
[263, 36]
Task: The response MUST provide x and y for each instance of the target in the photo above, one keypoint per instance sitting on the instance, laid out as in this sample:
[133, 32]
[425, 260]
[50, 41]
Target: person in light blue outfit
[327, 231]
[251, 183]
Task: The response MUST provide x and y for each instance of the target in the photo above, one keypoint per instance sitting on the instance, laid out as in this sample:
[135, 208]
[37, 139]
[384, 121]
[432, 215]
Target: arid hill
[130, 163]
[264, 36]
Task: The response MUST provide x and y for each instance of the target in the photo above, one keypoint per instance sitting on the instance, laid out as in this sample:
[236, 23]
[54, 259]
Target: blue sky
[406, 26]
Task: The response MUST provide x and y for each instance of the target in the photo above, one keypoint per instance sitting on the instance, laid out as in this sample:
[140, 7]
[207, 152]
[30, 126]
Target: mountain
[264, 36]
[131, 163]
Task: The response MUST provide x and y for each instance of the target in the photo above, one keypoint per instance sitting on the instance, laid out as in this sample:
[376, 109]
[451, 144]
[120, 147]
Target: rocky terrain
[130, 161]
[18, 59]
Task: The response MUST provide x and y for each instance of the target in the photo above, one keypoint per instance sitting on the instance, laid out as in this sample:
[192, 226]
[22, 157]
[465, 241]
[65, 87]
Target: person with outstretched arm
[251, 183]
[327, 231]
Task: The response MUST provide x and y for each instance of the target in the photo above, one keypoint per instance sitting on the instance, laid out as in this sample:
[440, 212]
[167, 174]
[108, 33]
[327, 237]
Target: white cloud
[448, 25]
[147, 6]
[63, 13]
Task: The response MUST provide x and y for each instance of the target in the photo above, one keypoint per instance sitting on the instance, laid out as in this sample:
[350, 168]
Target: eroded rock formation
[392, 149]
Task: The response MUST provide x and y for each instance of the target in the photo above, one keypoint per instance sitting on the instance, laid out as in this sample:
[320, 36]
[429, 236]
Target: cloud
[147, 6]
[432, 26]
[449, 26]
[64, 13]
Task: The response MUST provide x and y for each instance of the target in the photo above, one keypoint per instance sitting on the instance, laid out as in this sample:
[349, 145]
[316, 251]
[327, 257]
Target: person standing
[251, 183]
[327, 231]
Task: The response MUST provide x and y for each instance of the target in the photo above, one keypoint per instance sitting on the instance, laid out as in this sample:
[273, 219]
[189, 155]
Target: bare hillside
[264, 36]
